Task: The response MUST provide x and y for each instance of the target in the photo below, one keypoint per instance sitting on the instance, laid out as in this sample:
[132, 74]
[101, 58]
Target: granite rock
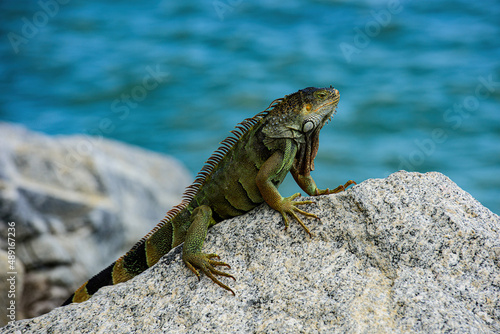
[78, 203]
[409, 253]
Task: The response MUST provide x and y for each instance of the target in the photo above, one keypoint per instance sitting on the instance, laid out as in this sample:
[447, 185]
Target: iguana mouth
[328, 116]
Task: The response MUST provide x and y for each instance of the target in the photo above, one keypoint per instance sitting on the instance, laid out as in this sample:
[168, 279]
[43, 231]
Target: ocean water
[419, 80]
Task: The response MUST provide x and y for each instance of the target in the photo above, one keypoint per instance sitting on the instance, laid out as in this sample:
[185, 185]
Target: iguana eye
[321, 95]
[308, 126]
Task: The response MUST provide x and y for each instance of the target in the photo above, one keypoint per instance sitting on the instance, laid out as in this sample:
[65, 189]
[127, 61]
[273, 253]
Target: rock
[409, 253]
[78, 203]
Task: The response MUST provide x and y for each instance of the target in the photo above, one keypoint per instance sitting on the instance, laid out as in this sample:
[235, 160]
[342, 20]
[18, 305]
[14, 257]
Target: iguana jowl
[245, 171]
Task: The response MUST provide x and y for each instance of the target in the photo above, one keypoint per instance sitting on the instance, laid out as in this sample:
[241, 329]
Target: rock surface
[78, 203]
[409, 253]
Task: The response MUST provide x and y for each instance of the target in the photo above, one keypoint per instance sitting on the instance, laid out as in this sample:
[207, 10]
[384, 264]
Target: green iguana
[245, 171]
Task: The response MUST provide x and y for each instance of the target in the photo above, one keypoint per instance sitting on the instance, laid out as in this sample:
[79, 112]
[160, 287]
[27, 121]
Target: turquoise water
[419, 81]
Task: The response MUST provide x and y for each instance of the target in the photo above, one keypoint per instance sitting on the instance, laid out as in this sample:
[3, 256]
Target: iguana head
[300, 116]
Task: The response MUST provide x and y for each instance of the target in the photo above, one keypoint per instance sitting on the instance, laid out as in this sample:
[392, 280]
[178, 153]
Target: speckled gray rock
[78, 203]
[409, 253]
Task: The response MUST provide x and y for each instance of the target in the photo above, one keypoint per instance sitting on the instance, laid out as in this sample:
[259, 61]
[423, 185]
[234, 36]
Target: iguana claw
[205, 263]
[340, 188]
[288, 206]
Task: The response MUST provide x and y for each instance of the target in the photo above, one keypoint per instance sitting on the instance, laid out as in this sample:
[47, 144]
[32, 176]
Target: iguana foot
[205, 263]
[340, 188]
[288, 206]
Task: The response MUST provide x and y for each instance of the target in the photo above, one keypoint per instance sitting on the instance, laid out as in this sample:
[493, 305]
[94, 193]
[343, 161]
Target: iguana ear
[308, 126]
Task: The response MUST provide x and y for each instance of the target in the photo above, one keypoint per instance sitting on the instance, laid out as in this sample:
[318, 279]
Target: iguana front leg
[191, 252]
[270, 194]
[306, 183]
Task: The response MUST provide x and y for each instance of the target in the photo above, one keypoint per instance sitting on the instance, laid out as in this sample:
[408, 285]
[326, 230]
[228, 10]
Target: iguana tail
[143, 255]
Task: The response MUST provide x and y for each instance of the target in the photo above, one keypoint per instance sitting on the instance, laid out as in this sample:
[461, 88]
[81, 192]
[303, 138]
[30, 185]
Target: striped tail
[86, 291]
[143, 255]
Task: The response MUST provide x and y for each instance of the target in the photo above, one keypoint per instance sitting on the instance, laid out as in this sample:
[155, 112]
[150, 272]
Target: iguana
[242, 173]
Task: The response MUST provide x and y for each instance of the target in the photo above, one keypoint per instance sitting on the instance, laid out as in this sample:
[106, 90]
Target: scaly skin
[243, 173]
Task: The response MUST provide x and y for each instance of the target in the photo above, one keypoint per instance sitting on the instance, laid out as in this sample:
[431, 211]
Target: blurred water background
[419, 80]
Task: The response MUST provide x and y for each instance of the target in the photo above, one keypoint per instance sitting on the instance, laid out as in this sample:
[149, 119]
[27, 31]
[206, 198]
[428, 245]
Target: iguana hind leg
[191, 254]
